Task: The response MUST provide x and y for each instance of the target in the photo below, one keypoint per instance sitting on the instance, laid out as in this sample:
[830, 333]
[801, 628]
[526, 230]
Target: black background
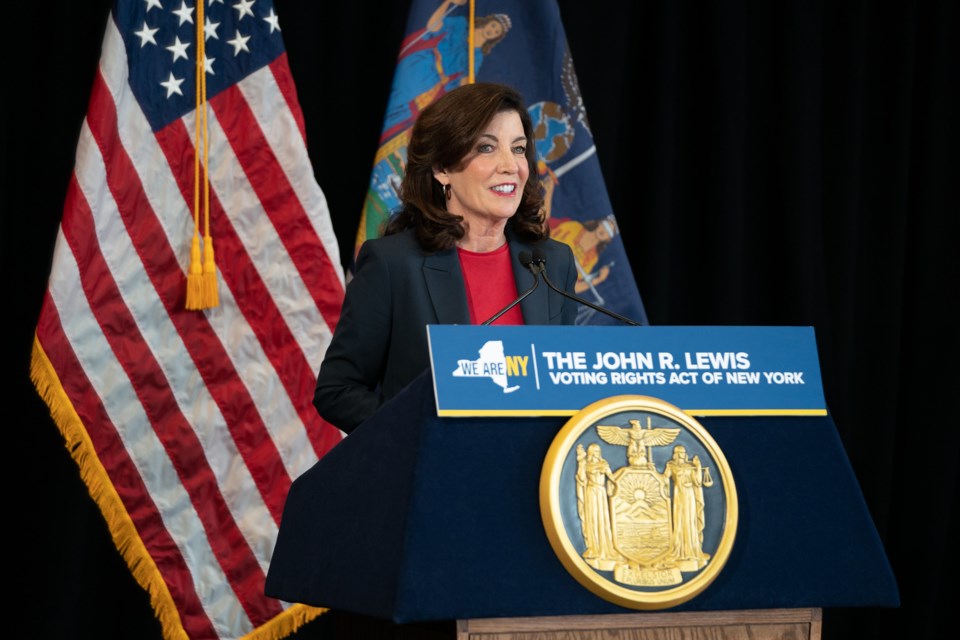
[769, 163]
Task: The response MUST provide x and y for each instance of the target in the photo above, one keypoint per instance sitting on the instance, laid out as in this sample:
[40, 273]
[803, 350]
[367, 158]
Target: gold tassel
[202, 288]
[195, 277]
[211, 294]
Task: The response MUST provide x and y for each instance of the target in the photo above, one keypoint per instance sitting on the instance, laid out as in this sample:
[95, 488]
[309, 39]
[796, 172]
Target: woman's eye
[520, 150]
[485, 148]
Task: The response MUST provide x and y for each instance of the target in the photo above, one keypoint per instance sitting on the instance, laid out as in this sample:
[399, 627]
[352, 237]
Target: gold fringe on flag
[286, 623]
[202, 288]
[122, 529]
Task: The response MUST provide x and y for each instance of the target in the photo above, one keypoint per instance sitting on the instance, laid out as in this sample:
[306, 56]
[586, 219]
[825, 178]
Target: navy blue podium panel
[415, 517]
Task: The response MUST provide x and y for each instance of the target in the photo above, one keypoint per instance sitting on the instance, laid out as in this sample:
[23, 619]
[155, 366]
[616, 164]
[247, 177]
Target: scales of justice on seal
[549, 479]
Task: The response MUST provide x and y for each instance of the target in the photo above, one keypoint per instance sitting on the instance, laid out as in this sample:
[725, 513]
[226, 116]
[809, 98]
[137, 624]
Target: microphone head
[539, 256]
[525, 259]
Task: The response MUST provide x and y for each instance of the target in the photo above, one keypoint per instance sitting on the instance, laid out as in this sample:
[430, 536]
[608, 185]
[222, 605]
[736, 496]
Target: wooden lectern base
[756, 624]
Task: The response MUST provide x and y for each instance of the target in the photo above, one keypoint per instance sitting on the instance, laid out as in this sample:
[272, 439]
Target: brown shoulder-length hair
[443, 135]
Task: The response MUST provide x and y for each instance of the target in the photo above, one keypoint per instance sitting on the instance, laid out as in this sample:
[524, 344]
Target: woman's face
[602, 233]
[492, 30]
[487, 187]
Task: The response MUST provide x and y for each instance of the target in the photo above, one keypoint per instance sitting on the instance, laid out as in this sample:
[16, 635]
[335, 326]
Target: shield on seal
[640, 514]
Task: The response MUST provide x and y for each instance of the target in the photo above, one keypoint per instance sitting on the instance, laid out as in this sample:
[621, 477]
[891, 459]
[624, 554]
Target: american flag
[188, 427]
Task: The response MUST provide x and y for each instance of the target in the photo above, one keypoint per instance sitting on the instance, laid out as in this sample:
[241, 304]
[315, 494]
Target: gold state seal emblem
[638, 502]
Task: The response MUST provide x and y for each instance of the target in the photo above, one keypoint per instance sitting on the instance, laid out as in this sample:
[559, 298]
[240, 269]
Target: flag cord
[202, 290]
[470, 37]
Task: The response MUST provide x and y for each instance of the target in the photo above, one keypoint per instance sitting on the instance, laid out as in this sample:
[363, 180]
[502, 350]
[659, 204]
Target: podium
[416, 518]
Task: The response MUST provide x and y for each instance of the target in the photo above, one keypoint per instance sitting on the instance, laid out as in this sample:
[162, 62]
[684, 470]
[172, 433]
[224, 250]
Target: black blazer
[380, 342]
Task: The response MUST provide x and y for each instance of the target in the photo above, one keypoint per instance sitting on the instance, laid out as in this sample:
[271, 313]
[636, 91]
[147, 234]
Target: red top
[490, 285]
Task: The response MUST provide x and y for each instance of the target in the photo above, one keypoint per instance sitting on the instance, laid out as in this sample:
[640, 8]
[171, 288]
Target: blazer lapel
[441, 271]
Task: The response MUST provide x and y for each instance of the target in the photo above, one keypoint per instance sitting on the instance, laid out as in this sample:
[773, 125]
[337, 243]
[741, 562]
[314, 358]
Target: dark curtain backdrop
[770, 163]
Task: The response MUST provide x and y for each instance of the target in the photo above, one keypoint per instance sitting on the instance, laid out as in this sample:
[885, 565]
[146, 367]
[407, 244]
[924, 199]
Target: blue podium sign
[557, 370]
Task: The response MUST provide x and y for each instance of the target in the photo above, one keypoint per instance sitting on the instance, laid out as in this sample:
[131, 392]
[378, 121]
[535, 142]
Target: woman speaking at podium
[471, 205]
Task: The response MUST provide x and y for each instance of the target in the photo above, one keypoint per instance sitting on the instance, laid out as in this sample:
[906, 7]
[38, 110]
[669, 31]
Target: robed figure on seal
[688, 480]
[594, 507]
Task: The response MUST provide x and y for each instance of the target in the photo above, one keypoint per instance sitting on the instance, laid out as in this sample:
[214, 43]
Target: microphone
[527, 261]
[540, 260]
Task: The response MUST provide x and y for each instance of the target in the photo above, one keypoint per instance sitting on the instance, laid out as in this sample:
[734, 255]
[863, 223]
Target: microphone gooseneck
[540, 263]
